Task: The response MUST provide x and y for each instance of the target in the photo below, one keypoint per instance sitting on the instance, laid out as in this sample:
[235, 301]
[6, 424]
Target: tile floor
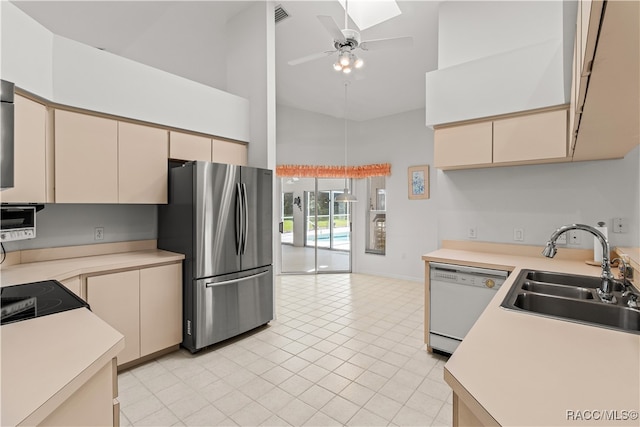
[345, 349]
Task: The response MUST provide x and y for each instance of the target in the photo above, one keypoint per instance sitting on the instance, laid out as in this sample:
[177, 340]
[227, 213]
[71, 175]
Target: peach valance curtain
[310, 171]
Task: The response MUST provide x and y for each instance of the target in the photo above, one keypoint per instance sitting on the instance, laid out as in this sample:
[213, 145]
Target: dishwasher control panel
[471, 276]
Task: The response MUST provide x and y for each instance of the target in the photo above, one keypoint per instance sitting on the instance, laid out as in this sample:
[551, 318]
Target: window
[376, 216]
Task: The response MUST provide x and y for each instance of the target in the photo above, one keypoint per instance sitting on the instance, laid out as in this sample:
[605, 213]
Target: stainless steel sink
[571, 298]
[569, 280]
[558, 290]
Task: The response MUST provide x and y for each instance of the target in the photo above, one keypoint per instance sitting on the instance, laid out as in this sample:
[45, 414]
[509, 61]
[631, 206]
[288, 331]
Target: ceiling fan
[346, 41]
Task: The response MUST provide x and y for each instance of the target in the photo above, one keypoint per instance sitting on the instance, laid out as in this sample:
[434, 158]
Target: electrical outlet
[562, 239]
[98, 233]
[575, 237]
[518, 234]
[620, 225]
[472, 233]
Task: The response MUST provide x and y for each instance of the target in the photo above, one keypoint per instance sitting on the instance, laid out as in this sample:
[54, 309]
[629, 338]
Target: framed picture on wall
[419, 182]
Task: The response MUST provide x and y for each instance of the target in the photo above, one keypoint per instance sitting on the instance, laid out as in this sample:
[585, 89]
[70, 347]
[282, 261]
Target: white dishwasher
[458, 295]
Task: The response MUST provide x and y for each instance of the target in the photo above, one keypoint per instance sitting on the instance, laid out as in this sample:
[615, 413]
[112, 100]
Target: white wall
[70, 224]
[500, 57]
[412, 225]
[251, 74]
[470, 30]
[26, 51]
[71, 73]
[402, 140]
[539, 199]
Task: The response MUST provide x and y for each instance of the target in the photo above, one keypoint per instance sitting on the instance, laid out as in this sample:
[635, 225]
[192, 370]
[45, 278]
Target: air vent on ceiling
[280, 13]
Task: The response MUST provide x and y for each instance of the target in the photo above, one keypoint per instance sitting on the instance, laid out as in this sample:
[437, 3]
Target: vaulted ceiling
[188, 39]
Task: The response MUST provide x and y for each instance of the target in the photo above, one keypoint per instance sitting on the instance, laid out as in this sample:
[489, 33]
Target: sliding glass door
[315, 229]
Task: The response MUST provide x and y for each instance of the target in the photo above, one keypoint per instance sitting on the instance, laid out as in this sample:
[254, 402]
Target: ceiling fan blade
[397, 42]
[311, 57]
[330, 25]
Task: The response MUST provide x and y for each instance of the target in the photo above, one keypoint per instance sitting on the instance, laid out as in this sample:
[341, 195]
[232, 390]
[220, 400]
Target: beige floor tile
[340, 409]
[275, 400]
[295, 385]
[320, 419]
[345, 344]
[334, 382]
[275, 421]
[383, 406]
[252, 414]
[163, 417]
[296, 412]
[207, 416]
[410, 417]
[366, 418]
[357, 393]
[187, 405]
[142, 408]
[277, 375]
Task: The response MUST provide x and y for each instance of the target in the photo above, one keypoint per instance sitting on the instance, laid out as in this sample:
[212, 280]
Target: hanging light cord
[346, 83]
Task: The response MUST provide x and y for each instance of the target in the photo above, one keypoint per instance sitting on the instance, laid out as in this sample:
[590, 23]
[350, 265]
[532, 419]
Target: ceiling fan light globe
[358, 63]
[337, 66]
[346, 70]
[345, 60]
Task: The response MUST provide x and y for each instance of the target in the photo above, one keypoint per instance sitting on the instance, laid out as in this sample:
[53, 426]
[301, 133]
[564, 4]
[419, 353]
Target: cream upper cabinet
[30, 159]
[184, 146]
[530, 137]
[233, 153]
[465, 145]
[143, 152]
[115, 298]
[86, 158]
[160, 308]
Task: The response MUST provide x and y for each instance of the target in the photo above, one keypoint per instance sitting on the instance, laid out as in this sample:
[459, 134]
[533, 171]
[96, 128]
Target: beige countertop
[62, 269]
[531, 370]
[46, 359]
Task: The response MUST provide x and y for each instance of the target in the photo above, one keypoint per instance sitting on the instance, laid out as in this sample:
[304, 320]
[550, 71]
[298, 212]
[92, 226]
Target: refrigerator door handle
[238, 218]
[245, 205]
[239, 279]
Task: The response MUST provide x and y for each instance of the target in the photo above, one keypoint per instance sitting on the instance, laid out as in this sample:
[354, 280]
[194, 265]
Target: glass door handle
[281, 227]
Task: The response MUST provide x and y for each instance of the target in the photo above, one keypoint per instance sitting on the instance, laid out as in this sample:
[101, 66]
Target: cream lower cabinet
[30, 159]
[144, 305]
[115, 298]
[93, 404]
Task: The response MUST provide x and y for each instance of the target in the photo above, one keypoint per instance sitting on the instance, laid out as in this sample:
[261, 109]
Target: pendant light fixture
[346, 196]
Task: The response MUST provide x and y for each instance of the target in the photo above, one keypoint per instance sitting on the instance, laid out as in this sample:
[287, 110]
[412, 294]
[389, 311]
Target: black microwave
[18, 222]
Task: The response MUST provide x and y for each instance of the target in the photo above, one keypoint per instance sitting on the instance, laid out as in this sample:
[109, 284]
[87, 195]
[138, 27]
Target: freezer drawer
[232, 304]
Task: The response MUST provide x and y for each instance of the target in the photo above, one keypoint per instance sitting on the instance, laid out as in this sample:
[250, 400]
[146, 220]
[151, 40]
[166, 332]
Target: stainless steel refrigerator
[220, 217]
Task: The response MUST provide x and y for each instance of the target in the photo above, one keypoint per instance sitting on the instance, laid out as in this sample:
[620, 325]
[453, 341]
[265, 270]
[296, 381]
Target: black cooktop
[31, 300]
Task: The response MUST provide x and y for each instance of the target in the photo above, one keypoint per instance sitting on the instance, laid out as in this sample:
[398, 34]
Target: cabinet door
[115, 298]
[160, 308]
[143, 152]
[531, 137]
[464, 145]
[233, 153]
[86, 158]
[184, 146]
[73, 284]
[29, 155]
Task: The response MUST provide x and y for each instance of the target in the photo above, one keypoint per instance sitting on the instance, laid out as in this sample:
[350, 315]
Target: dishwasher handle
[453, 268]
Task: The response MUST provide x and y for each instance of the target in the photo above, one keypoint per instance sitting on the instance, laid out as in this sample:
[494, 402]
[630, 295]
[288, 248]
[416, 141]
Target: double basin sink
[572, 298]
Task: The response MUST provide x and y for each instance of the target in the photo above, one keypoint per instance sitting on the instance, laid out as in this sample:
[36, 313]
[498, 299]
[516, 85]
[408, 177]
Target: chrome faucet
[605, 292]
